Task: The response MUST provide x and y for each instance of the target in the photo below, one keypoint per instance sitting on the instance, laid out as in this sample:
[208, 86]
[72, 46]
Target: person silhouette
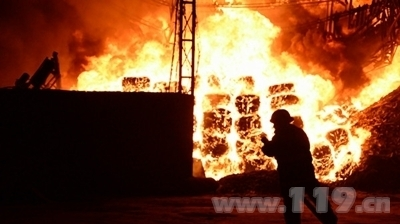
[290, 147]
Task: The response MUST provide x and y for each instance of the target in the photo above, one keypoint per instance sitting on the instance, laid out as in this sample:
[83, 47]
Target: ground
[193, 209]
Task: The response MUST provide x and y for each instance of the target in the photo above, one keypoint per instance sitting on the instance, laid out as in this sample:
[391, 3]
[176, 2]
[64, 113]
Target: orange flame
[239, 85]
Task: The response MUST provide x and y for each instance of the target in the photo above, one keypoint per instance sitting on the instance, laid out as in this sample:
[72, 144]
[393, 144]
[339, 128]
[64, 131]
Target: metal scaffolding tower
[187, 20]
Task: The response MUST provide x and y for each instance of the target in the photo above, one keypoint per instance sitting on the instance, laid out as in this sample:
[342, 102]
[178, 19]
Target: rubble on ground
[377, 174]
[263, 181]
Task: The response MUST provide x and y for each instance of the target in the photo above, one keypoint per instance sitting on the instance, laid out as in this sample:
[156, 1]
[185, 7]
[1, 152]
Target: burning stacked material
[325, 154]
[144, 84]
[248, 126]
[135, 84]
[379, 169]
[217, 125]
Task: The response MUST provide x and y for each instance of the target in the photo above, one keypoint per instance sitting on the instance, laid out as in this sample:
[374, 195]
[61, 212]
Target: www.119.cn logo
[343, 197]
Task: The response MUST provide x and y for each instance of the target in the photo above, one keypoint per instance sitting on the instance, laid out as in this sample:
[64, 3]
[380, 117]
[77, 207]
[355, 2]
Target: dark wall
[64, 143]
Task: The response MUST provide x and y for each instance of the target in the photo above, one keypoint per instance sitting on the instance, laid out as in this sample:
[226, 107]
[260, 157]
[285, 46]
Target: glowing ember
[238, 87]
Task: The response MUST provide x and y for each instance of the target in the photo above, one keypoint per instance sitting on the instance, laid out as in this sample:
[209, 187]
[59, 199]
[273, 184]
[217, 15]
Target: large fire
[239, 85]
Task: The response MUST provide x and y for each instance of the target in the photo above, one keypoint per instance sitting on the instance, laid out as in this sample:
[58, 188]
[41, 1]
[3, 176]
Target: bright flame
[239, 85]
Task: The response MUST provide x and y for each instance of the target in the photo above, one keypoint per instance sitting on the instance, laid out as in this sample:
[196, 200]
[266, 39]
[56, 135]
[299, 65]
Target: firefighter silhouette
[291, 148]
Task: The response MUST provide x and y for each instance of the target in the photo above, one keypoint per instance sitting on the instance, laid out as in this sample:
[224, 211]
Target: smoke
[76, 29]
[32, 30]
[340, 60]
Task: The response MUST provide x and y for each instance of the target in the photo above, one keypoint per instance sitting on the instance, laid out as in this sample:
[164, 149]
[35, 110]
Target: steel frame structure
[186, 31]
[381, 17]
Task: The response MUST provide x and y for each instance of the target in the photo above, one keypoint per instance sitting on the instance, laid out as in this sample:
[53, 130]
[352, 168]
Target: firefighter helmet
[281, 116]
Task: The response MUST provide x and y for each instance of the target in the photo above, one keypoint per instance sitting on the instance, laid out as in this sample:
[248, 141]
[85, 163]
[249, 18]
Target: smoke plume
[76, 29]
[341, 60]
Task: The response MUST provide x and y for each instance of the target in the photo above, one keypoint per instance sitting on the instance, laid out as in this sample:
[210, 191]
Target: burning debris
[380, 169]
[382, 119]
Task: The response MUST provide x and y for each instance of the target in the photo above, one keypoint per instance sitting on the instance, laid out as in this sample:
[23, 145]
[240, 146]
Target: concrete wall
[64, 143]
